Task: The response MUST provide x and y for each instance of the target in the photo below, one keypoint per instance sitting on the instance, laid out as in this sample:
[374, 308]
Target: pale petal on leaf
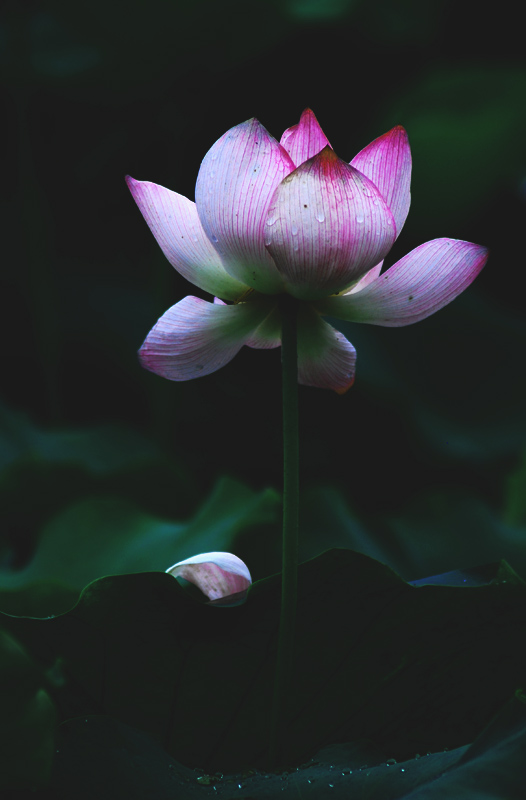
[422, 282]
[237, 179]
[217, 575]
[387, 162]
[304, 140]
[325, 358]
[327, 225]
[174, 222]
[194, 338]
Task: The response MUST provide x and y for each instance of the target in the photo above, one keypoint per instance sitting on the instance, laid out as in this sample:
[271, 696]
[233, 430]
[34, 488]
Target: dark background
[424, 454]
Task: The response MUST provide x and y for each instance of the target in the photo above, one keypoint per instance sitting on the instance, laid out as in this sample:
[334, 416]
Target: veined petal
[325, 358]
[267, 336]
[387, 162]
[174, 222]
[422, 282]
[304, 140]
[237, 179]
[217, 575]
[194, 338]
[368, 278]
[327, 225]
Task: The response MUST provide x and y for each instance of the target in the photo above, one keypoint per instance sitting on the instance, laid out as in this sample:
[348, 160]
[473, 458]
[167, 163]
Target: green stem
[289, 575]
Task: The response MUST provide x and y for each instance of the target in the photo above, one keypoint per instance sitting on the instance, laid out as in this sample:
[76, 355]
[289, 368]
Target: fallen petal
[194, 338]
[325, 358]
[387, 162]
[174, 222]
[217, 575]
[304, 140]
[422, 282]
[237, 179]
[330, 225]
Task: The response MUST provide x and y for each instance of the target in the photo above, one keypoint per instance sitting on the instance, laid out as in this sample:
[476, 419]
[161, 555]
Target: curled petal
[217, 575]
[325, 358]
[174, 222]
[304, 140]
[366, 279]
[235, 184]
[387, 163]
[327, 225]
[194, 338]
[422, 282]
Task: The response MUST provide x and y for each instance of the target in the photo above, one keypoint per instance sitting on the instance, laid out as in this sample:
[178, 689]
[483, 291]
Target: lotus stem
[289, 575]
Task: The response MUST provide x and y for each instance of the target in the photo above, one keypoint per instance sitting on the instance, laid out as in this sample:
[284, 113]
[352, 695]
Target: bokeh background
[421, 463]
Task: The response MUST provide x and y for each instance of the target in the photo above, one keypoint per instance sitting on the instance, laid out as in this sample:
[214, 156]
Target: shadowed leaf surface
[411, 669]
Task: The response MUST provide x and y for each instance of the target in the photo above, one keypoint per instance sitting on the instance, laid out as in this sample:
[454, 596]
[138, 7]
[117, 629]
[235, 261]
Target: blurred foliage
[27, 723]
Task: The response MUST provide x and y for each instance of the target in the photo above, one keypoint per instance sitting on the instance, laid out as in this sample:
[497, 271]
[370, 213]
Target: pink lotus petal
[267, 336]
[422, 282]
[217, 575]
[194, 338]
[368, 278]
[327, 225]
[304, 140]
[325, 358]
[235, 184]
[387, 162]
[174, 222]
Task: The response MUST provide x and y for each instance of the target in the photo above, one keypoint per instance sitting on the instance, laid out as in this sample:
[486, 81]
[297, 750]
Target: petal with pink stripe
[327, 225]
[387, 163]
[174, 222]
[422, 282]
[194, 338]
[237, 179]
[304, 140]
[217, 575]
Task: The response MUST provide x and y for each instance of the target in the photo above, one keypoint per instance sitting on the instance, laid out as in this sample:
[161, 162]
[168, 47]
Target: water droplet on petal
[359, 218]
[320, 216]
[296, 247]
[214, 238]
[271, 221]
[294, 230]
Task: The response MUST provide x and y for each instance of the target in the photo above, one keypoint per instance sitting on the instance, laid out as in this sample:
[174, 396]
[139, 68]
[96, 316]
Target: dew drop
[212, 174]
[359, 218]
[268, 240]
[271, 221]
[214, 238]
[194, 238]
[320, 216]
[296, 247]
[391, 762]
[402, 769]
[294, 230]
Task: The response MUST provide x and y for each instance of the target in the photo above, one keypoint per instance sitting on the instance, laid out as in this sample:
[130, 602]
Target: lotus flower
[272, 218]
[222, 577]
